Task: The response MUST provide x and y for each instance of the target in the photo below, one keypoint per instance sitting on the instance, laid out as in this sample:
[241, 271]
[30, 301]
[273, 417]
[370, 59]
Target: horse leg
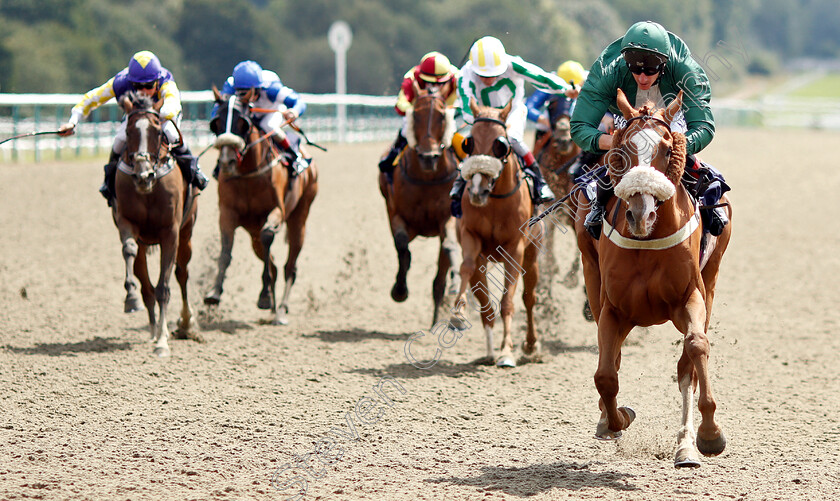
[187, 326]
[611, 334]
[691, 322]
[168, 248]
[141, 271]
[511, 277]
[227, 227]
[439, 283]
[269, 276]
[399, 292]
[295, 232]
[530, 277]
[129, 250]
[453, 251]
[488, 310]
[686, 454]
[470, 249]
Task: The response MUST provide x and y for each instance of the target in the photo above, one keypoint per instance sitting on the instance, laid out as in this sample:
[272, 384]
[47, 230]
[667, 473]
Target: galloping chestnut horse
[494, 225]
[418, 200]
[257, 193]
[646, 270]
[153, 206]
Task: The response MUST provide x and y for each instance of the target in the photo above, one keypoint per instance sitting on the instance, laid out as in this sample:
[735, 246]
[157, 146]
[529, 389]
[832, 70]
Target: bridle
[430, 156]
[234, 104]
[159, 169]
[503, 140]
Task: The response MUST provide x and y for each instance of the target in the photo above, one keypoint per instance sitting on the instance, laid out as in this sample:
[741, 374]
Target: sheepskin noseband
[230, 139]
[645, 180]
[481, 164]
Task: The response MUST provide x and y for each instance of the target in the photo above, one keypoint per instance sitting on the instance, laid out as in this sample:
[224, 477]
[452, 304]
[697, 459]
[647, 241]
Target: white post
[340, 37]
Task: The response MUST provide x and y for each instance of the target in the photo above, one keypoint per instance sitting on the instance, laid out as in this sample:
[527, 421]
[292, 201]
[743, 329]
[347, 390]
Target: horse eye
[501, 147]
[467, 145]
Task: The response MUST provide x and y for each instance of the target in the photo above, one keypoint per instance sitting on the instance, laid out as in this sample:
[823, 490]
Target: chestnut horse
[153, 206]
[494, 225]
[418, 200]
[646, 270]
[257, 193]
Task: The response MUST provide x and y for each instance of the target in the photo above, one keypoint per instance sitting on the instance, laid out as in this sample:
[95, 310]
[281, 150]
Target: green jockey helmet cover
[646, 38]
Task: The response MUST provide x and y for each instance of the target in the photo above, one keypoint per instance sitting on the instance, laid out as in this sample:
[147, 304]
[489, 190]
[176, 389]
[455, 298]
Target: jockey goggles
[144, 85]
[647, 70]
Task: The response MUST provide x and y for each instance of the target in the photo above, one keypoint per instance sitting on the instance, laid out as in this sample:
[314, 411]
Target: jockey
[651, 64]
[434, 73]
[493, 78]
[539, 103]
[269, 93]
[145, 75]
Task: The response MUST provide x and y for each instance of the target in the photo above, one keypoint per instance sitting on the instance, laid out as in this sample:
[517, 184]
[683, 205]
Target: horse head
[561, 134]
[489, 151]
[233, 128]
[430, 126]
[646, 161]
[143, 134]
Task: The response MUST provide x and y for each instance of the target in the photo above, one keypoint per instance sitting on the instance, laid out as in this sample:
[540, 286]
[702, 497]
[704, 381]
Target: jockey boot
[188, 164]
[297, 163]
[582, 161]
[595, 219]
[386, 165]
[542, 193]
[455, 194]
[107, 189]
[708, 187]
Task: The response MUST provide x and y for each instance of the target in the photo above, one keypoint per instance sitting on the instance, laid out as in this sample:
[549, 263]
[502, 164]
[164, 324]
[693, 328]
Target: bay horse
[646, 270]
[418, 199]
[257, 193]
[153, 206]
[496, 208]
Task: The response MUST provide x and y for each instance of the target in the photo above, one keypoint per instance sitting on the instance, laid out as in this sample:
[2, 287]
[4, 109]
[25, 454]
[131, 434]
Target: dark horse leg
[133, 301]
[399, 292]
[263, 248]
[227, 226]
[186, 324]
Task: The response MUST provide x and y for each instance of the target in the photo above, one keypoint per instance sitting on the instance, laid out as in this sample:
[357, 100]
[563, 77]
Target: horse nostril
[630, 218]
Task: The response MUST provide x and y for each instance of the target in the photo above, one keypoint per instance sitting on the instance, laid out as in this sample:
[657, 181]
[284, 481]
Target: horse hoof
[399, 292]
[161, 352]
[711, 447]
[686, 462]
[458, 324]
[505, 361]
[264, 303]
[631, 415]
[211, 299]
[587, 312]
[133, 304]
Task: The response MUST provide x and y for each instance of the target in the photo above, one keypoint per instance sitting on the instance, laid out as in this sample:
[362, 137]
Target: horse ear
[505, 111]
[125, 104]
[624, 105]
[217, 96]
[474, 107]
[673, 108]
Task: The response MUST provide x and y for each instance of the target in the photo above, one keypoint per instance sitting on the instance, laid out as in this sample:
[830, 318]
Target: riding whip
[292, 125]
[28, 134]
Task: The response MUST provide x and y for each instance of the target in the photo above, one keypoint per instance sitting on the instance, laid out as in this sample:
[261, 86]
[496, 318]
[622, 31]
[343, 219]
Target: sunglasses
[145, 85]
[647, 70]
